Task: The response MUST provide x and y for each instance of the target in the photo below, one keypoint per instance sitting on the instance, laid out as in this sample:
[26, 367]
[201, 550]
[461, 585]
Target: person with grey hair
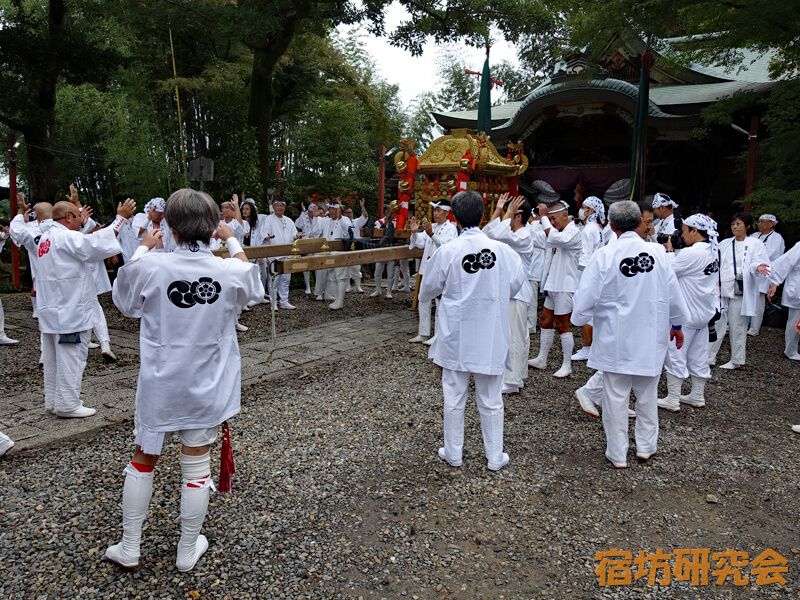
[630, 294]
[475, 277]
[190, 373]
[333, 227]
[774, 246]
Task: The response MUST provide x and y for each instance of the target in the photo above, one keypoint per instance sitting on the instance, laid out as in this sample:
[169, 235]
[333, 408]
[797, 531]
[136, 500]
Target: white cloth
[616, 397]
[476, 277]
[630, 294]
[786, 270]
[774, 246]
[65, 288]
[539, 247]
[791, 338]
[520, 241]
[664, 226]
[63, 371]
[332, 230]
[591, 241]
[440, 234]
[696, 268]
[239, 230]
[520, 346]
[284, 230]
[488, 392]
[750, 253]
[692, 358]
[561, 259]
[190, 374]
[26, 235]
[141, 225]
[736, 323]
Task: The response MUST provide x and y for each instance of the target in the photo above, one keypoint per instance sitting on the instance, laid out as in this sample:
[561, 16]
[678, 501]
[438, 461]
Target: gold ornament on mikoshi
[402, 167]
[394, 205]
[451, 186]
[404, 187]
[464, 164]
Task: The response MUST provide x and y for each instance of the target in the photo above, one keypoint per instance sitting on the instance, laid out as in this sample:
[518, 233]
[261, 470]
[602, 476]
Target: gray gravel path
[339, 493]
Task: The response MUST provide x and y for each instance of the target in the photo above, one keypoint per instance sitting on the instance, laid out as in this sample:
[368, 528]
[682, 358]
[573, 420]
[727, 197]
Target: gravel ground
[339, 493]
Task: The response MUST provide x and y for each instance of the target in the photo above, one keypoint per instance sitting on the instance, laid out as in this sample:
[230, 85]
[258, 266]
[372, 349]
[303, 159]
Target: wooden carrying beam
[399, 234]
[346, 259]
[310, 246]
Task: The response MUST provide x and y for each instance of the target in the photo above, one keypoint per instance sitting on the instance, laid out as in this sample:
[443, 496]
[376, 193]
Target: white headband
[663, 200]
[564, 206]
[704, 223]
[768, 217]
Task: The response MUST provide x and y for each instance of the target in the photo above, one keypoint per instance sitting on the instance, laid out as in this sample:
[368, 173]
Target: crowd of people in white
[649, 294]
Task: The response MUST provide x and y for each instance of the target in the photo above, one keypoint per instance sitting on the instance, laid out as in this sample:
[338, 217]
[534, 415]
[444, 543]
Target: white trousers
[2, 320]
[790, 335]
[617, 392]
[63, 371]
[761, 305]
[737, 325]
[692, 358]
[403, 269]
[489, 394]
[594, 388]
[99, 323]
[281, 288]
[520, 347]
[379, 269]
[327, 279]
[355, 274]
[533, 307]
[425, 310]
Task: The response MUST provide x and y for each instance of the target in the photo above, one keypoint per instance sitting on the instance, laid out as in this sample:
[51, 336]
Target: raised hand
[151, 238]
[223, 231]
[427, 226]
[86, 212]
[413, 226]
[126, 209]
[73, 195]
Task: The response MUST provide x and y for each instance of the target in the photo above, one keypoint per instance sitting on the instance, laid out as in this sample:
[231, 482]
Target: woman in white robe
[190, 374]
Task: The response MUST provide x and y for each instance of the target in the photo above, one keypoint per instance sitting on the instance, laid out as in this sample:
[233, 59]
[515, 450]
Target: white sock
[545, 342]
[567, 346]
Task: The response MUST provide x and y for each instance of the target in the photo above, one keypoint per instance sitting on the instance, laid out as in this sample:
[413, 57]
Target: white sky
[419, 74]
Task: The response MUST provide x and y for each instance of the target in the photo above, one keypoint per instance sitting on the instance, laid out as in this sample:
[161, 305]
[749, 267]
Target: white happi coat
[539, 248]
[26, 235]
[775, 246]
[139, 222]
[332, 230]
[561, 268]
[520, 241]
[754, 255]
[629, 293]
[440, 234]
[786, 270]
[664, 226]
[258, 232]
[283, 229]
[476, 277]
[239, 230]
[303, 222]
[102, 283]
[591, 241]
[697, 270]
[190, 373]
[65, 286]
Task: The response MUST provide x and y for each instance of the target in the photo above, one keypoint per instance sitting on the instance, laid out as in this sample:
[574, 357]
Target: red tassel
[226, 466]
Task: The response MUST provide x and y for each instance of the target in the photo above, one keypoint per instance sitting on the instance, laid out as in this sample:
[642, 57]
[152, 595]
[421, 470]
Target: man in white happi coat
[664, 225]
[510, 229]
[590, 395]
[786, 270]
[697, 268]
[475, 277]
[333, 227]
[232, 217]
[743, 265]
[537, 267]
[775, 246]
[630, 293]
[66, 301]
[560, 282]
[190, 374]
[4, 339]
[26, 231]
[389, 220]
[280, 229]
[152, 217]
[433, 236]
[303, 223]
[355, 270]
[593, 215]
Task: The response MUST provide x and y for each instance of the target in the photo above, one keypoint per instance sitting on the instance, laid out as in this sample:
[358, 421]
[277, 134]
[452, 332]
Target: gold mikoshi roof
[445, 153]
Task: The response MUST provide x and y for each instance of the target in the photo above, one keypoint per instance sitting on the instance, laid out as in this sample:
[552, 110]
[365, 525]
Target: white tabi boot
[697, 396]
[567, 346]
[377, 291]
[106, 353]
[672, 401]
[545, 343]
[195, 491]
[35, 313]
[135, 501]
[338, 303]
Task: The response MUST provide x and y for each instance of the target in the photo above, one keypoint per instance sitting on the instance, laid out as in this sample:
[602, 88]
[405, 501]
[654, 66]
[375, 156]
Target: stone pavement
[24, 419]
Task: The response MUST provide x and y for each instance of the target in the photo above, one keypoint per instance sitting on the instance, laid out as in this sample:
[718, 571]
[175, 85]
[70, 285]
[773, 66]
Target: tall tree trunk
[41, 184]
